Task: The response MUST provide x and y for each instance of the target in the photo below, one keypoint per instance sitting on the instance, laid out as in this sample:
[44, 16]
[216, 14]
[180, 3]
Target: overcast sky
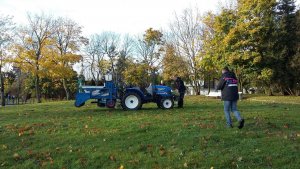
[122, 16]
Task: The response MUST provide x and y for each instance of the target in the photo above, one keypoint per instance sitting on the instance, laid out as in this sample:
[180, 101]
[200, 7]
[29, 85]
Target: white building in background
[204, 87]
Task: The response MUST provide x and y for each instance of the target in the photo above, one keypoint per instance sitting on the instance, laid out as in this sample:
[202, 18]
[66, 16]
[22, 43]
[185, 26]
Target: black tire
[131, 101]
[158, 100]
[167, 103]
[158, 104]
[110, 103]
[82, 104]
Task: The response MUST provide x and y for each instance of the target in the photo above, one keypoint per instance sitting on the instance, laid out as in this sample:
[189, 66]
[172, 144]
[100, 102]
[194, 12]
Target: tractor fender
[137, 91]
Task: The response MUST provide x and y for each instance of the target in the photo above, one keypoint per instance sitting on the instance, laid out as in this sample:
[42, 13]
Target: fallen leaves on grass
[286, 126]
[134, 161]
[42, 158]
[3, 164]
[16, 156]
[185, 165]
[112, 157]
[206, 126]
[162, 151]
[240, 159]
[24, 130]
[272, 125]
[145, 125]
[83, 161]
[4, 146]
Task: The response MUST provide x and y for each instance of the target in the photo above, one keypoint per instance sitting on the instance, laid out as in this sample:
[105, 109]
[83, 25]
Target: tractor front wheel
[110, 103]
[131, 101]
[166, 103]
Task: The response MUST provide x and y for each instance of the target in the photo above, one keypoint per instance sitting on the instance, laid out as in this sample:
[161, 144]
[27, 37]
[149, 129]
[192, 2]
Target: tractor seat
[149, 89]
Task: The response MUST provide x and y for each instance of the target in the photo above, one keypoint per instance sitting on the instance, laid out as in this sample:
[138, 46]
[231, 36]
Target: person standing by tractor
[228, 84]
[179, 84]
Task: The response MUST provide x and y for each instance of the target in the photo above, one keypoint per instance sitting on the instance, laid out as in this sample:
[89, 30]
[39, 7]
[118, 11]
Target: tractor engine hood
[162, 89]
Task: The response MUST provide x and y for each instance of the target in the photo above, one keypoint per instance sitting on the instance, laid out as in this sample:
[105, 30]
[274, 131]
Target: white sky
[121, 16]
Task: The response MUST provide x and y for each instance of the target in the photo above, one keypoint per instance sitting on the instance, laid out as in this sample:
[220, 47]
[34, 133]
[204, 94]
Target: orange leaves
[145, 125]
[112, 157]
[27, 129]
[286, 126]
[162, 151]
[206, 126]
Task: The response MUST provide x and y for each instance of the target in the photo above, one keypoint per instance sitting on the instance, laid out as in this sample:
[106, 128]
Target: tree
[149, 51]
[137, 74]
[244, 38]
[251, 40]
[209, 62]
[102, 47]
[67, 40]
[173, 65]
[286, 46]
[93, 58]
[109, 47]
[186, 37]
[30, 51]
[295, 64]
[124, 58]
[6, 28]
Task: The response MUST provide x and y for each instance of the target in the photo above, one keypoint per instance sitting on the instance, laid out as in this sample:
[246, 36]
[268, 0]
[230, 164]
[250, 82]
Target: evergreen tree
[286, 46]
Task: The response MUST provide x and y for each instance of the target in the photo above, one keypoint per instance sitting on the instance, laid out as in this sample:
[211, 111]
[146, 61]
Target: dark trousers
[180, 99]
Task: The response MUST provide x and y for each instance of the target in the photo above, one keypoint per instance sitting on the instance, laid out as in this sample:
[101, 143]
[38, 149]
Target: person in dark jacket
[179, 84]
[228, 83]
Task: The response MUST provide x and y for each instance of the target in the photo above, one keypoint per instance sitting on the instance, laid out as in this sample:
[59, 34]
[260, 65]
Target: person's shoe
[241, 124]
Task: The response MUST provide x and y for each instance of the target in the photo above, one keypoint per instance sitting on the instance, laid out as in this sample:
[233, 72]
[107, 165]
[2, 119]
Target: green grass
[58, 135]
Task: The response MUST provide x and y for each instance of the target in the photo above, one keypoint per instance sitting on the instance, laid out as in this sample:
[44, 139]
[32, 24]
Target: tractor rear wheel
[131, 101]
[166, 103]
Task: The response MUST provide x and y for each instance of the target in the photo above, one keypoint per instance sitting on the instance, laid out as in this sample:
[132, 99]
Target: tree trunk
[66, 89]
[208, 84]
[241, 86]
[2, 88]
[37, 88]
[197, 88]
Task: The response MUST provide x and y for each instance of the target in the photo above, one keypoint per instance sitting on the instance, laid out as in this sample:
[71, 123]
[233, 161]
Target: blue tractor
[131, 98]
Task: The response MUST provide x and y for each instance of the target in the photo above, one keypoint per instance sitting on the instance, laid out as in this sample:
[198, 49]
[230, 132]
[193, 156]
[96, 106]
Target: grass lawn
[59, 135]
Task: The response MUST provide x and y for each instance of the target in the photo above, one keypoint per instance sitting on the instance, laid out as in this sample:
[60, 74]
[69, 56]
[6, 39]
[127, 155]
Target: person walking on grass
[228, 84]
[179, 84]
